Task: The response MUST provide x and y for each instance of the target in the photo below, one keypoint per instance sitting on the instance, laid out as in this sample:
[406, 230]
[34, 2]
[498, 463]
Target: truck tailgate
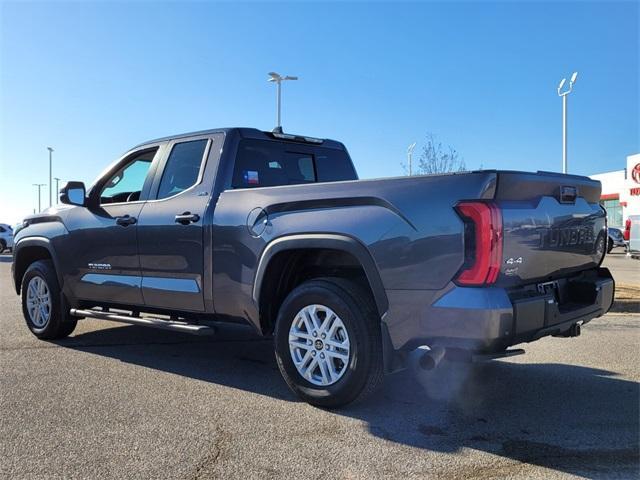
[553, 225]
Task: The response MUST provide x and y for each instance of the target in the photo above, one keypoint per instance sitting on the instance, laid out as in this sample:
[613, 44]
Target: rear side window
[268, 164]
[182, 168]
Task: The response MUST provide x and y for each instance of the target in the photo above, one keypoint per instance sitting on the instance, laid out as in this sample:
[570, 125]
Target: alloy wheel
[319, 345]
[38, 302]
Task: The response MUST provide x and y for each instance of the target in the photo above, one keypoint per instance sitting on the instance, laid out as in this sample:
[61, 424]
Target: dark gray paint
[171, 251]
[404, 231]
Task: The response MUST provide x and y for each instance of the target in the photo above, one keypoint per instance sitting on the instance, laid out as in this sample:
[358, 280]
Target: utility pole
[564, 94]
[278, 79]
[410, 156]
[39, 185]
[50, 176]
[57, 188]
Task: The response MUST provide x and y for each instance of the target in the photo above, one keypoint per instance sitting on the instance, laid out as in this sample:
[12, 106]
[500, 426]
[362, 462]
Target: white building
[621, 192]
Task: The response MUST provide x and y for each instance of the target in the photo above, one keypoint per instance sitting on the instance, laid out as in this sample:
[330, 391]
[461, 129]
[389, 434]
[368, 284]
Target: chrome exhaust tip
[431, 357]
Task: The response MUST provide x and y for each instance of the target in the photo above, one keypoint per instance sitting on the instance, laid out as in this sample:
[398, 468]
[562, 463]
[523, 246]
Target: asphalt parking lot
[625, 270]
[118, 401]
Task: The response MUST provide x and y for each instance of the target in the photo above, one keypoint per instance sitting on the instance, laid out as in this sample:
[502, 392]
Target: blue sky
[93, 79]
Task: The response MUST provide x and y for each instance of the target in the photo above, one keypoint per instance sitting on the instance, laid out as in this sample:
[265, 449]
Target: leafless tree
[435, 158]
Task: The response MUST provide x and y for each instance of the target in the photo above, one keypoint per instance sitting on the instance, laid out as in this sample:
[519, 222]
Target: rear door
[171, 225]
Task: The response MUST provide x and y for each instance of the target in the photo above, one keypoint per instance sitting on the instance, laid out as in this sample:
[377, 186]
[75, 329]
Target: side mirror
[73, 193]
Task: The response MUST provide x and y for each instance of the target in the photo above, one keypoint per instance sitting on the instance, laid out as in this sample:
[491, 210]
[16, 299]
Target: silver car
[6, 237]
[634, 234]
[616, 239]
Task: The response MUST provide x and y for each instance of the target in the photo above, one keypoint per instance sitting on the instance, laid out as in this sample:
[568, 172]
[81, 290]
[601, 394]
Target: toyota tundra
[276, 231]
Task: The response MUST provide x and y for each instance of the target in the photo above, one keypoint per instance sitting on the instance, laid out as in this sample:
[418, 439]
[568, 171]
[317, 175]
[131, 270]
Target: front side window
[182, 168]
[126, 184]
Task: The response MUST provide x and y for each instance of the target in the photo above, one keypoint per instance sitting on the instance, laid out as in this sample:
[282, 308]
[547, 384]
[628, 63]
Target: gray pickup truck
[349, 276]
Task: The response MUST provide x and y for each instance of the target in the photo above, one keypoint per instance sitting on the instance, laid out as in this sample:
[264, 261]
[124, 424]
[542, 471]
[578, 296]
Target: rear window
[267, 164]
[334, 166]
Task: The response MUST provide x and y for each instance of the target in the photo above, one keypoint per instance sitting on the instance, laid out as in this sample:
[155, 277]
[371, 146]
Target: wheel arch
[272, 259]
[29, 250]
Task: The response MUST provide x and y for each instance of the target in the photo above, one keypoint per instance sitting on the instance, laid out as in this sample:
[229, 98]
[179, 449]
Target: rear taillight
[483, 243]
[627, 229]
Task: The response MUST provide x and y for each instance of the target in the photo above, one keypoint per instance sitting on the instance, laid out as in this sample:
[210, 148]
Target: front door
[171, 226]
[103, 246]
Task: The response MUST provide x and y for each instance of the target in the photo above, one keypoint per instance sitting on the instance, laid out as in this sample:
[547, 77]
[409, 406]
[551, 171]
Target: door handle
[187, 217]
[126, 220]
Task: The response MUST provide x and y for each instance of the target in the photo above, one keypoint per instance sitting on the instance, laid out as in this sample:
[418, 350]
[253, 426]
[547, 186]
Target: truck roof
[247, 132]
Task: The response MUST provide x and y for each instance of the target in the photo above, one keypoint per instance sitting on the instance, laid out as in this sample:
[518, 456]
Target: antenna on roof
[278, 79]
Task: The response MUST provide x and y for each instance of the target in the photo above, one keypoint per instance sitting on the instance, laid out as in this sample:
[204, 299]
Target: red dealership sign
[635, 173]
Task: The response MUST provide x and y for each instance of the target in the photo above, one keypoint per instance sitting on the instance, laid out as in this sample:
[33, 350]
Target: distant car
[616, 239]
[633, 223]
[17, 227]
[6, 237]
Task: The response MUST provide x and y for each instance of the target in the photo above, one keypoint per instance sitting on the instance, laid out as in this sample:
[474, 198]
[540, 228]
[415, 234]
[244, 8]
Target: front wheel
[41, 303]
[327, 342]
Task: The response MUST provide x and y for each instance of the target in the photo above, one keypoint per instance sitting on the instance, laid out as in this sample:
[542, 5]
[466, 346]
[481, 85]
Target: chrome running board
[175, 326]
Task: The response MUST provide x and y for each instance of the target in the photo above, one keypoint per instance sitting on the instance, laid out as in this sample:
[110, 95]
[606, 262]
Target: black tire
[3, 246]
[60, 324]
[364, 373]
[609, 245]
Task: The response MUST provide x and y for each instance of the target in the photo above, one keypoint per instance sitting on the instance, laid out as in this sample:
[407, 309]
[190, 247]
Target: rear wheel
[41, 303]
[609, 245]
[328, 345]
[3, 245]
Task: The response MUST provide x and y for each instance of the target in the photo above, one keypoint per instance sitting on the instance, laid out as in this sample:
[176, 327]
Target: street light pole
[39, 185]
[278, 79]
[57, 188]
[279, 104]
[564, 94]
[50, 176]
[564, 133]
[410, 156]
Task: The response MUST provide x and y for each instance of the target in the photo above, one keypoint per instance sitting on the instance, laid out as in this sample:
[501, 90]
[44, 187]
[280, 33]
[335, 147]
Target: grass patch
[627, 299]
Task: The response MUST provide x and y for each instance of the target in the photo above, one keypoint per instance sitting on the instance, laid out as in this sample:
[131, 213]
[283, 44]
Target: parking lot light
[564, 94]
[39, 185]
[50, 176]
[278, 79]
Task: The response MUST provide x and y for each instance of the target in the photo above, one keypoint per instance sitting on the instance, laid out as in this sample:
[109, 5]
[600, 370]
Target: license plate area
[548, 288]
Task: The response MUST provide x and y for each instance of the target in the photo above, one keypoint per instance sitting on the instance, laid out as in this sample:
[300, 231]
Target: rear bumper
[542, 316]
[490, 319]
